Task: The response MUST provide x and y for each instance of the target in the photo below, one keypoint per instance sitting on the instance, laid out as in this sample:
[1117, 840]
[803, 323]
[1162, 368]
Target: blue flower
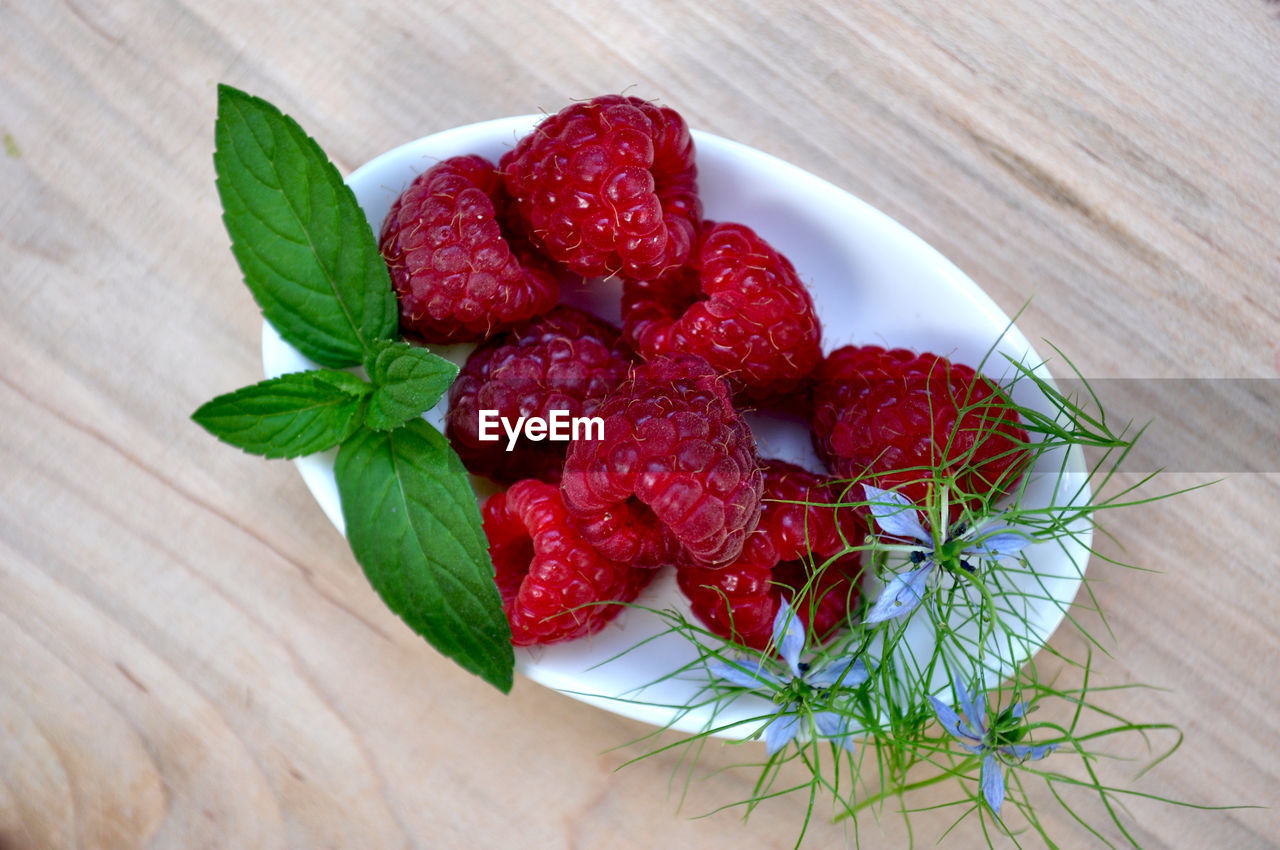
[796, 684]
[896, 517]
[994, 745]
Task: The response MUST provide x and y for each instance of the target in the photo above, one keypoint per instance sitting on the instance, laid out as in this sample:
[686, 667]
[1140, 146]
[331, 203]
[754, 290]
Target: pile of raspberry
[715, 321]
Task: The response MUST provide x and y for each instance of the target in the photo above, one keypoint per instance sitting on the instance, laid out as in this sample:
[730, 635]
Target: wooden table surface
[189, 655]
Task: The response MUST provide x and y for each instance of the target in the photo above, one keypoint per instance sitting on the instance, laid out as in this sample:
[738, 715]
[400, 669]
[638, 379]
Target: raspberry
[566, 360]
[676, 477]
[550, 579]
[456, 275]
[894, 416]
[797, 532]
[607, 186]
[739, 304]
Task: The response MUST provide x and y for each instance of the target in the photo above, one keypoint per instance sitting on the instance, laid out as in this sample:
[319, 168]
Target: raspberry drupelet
[891, 416]
[567, 360]
[458, 277]
[607, 186]
[554, 586]
[800, 529]
[676, 478]
[738, 303]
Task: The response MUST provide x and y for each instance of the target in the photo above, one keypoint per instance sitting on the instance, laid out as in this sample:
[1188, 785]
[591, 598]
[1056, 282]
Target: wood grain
[190, 658]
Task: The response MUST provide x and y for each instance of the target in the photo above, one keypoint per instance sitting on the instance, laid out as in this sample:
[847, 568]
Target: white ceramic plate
[873, 282]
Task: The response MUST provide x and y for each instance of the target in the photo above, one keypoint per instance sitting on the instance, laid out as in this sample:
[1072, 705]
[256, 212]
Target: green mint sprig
[409, 380]
[312, 264]
[293, 415]
[413, 524]
[293, 226]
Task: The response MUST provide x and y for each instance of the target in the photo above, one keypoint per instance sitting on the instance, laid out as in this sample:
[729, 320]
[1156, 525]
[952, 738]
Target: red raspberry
[676, 476]
[895, 415]
[607, 186]
[566, 360]
[457, 277]
[550, 579]
[797, 533]
[739, 304]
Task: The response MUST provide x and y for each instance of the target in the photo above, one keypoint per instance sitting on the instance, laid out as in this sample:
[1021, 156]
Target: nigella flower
[797, 685]
[895, 516]
[995, 745]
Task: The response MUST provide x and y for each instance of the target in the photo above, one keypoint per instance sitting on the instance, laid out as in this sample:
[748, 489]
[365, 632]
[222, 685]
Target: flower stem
[884, 794]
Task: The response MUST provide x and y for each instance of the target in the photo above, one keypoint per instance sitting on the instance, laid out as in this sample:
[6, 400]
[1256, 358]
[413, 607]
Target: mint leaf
[302, 241]
[407, 382]
[414, 526]
[289, 416]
